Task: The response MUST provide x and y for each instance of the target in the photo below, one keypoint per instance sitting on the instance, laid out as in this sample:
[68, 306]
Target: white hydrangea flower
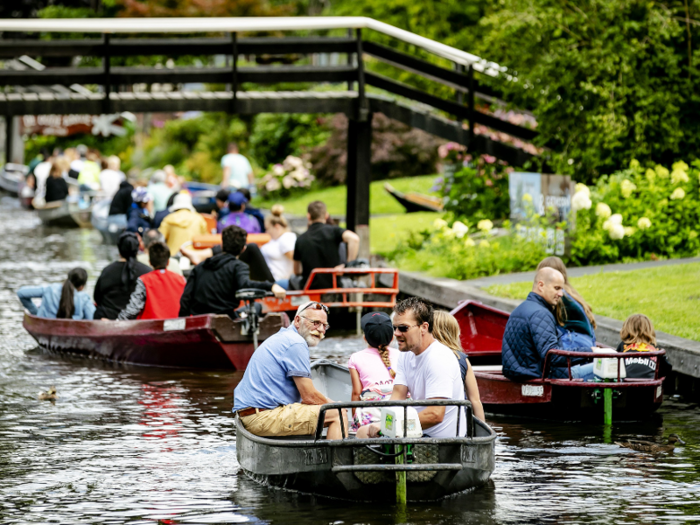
[439, 224]
[643, 223]
[469, 242]
[614, 220]
[581, 201]
[582, 188]
[616, 232]
[460, 229]
[288, 181]
[485, 225]
[680, 165]
[678, 194]
[278, 170]
[602, 210]
[661, 171]
[292, 163]
[627, 187]
[273, 185]
[629, 230]
[678, 176]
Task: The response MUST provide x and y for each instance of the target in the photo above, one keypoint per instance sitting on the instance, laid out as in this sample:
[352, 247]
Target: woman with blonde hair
[446, 331]
[575, 320]
[279, 251]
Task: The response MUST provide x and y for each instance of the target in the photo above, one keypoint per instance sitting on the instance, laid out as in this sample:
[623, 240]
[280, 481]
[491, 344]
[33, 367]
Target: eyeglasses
[315, 306]
[317, 324]
[403, 328]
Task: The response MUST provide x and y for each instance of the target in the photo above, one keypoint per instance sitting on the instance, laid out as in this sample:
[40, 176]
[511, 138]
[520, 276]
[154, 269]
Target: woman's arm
[356, 387]
[473, 394]
[26, 293]
[290, 255]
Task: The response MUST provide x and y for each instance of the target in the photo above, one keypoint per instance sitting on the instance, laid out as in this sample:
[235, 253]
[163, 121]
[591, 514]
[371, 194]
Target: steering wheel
[251, 294]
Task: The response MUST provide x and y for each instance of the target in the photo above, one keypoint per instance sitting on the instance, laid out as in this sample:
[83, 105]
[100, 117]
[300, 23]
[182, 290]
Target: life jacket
[163, 291]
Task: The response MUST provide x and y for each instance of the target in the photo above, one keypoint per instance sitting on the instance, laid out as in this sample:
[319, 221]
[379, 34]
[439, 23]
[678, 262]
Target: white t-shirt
[240, 168]
[280, 266]
[110, 181]
[434, 374]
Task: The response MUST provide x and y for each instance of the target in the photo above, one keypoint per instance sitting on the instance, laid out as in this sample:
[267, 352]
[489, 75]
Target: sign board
[549, 196]
[64, 125]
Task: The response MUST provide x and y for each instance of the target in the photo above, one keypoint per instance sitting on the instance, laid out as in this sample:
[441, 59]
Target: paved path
[577, 272]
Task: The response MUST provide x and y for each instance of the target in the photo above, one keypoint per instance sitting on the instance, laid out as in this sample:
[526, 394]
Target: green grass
[668, 295]
[380, 201]
[386, 232]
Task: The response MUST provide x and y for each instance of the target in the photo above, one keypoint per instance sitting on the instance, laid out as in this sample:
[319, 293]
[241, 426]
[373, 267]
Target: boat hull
[67, 215]
[203, 341]
[12, 178]
[330, 468]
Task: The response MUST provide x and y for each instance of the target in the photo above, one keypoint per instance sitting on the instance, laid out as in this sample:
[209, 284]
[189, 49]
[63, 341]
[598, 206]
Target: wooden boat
[64, 214]
[202, 341]
[353, 469]
[568, 399]
[414, 202]
[11, 177]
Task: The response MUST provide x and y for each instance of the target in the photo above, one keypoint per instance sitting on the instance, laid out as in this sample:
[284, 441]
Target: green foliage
[606, 79]
[656, 210]
[275, 136]
[479, 190]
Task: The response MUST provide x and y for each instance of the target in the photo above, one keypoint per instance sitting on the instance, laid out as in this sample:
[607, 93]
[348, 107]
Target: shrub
[283, 180]
[638, 213]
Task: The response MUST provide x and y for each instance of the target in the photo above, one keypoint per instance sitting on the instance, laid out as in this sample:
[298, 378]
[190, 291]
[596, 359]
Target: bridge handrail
[247, 24]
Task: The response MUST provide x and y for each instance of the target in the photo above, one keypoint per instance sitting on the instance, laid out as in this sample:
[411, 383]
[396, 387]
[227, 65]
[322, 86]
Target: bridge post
[234, 73]
[359, 173]
[106, 65]
[9, 137]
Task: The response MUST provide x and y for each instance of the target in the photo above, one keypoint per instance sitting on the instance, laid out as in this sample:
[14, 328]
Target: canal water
[139, 445]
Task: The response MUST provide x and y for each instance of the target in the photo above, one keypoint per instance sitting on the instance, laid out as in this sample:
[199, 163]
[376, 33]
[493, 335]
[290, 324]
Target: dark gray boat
[366, 470]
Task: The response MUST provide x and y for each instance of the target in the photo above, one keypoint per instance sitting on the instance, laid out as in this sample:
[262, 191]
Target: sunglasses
[315, 306]
[403, 328]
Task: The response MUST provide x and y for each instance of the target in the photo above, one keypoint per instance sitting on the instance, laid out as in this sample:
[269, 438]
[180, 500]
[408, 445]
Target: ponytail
[384, 354]
[77, 278]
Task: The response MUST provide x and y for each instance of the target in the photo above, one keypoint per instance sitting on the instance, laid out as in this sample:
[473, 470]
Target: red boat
[545, 398]
[201, 341]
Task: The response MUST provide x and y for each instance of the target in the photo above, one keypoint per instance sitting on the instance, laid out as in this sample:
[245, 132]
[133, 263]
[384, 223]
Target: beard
[312, 337]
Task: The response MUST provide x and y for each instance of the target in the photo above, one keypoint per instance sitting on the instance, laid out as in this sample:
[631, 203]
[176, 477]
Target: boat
[201, 341]
[98, 218]
[12, 177]
[414, 202]
[567, 399]
[360, 470]
[64, 214]
[203, 195]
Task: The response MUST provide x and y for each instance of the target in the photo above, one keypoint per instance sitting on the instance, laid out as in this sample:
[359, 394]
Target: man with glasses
[276, 396]
[426, 369]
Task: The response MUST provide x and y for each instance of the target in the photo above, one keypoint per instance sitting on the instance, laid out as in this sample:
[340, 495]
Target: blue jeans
[284, 283]
[584, 372]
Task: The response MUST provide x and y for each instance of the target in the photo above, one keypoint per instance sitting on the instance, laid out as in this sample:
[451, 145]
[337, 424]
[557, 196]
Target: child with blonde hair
[638, 335]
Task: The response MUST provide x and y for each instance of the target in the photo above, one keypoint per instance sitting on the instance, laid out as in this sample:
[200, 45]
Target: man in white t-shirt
[426, 369]
[238, 173]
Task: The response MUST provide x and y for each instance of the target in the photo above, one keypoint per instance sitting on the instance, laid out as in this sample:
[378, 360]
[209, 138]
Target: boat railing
[372, 287]
[619, 382]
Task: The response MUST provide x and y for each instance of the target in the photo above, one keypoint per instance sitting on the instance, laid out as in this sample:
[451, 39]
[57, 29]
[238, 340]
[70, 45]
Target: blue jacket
[530, 333]
[51, 297]
[139, 222]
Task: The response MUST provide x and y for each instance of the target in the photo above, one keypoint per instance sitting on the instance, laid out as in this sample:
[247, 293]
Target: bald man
[532, 331]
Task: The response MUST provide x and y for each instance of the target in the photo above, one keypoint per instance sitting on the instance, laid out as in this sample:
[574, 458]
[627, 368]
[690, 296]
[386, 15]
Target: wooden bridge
[52, 90]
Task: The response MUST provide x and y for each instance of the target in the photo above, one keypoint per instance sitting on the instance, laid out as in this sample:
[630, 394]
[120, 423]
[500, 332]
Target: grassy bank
[668, 295]
[380, 201]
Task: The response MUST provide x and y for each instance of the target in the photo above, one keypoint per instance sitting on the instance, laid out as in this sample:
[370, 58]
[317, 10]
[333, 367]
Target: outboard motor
[251, 312]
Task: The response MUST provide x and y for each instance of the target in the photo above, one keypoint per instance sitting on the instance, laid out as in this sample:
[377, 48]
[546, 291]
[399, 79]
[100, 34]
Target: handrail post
[362, 107]
[470, 73]
[107, 86]
[234, 73]
[459, 97]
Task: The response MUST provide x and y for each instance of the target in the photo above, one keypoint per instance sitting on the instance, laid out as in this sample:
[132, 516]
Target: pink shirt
[374, 375]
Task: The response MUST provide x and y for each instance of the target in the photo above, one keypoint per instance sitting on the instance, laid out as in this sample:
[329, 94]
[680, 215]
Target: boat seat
[487, 368]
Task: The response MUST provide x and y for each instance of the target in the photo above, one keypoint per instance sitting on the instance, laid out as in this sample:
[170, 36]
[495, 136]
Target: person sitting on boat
[221, 201]
[638, 335]
[111, 177]
[211, 287]
[56, 185]
[182, 223]
[149, 238]
[253, 212]
[118, 280]
[60, 301]
[318, 247]
[237, 215]
[276, 396]
[575, 320]
[531, 332]
[120, 206]
[426, 369]
[279, 251]
[446, 330]
[140, 219]
[373, 369]
[157, 293]
[89, 177]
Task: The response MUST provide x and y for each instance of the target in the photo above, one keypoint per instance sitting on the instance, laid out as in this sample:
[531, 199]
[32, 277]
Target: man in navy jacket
[532, 331]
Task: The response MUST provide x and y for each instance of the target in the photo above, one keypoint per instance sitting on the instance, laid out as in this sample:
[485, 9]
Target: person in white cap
[182, 224]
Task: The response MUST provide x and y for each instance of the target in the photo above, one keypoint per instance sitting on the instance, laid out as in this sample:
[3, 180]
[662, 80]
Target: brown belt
[250, 411]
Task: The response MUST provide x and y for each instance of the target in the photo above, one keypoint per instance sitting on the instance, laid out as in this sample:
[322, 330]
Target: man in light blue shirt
[238, 173]
[276, 396]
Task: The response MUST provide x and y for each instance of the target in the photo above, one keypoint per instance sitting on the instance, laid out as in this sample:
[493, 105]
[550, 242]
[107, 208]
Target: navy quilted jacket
[530, 333]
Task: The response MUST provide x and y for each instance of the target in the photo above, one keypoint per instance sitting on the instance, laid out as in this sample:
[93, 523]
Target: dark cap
[377, 328]
[237, 198]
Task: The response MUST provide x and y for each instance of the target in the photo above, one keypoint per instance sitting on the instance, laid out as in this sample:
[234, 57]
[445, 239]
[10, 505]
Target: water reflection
[137, 445]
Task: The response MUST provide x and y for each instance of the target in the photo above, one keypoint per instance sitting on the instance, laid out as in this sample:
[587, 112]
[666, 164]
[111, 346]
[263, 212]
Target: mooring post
[400, 479]
[607, 406]
[9, 137]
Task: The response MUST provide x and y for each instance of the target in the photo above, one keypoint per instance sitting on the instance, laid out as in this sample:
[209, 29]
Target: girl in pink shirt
[372, 369]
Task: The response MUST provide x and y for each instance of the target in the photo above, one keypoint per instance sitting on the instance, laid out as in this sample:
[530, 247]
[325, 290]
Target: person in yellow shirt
[182, 224]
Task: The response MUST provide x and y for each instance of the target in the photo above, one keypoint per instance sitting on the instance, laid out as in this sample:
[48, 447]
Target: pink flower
[488, 159]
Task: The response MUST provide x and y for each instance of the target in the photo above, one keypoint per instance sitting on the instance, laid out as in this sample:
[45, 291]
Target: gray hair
[152, 236]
